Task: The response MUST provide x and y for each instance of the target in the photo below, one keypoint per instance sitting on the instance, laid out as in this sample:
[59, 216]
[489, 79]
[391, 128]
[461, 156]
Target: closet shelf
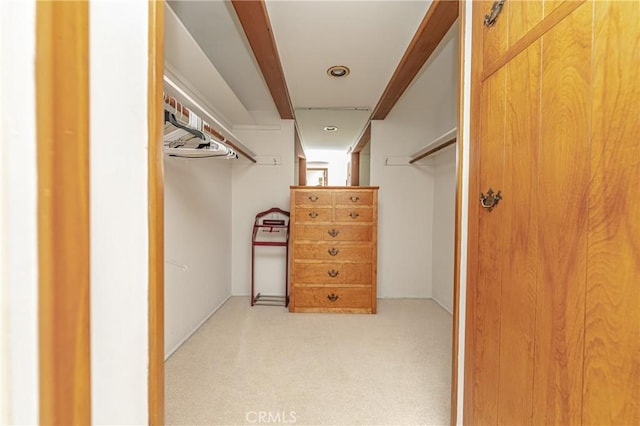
[436, 145]
[173, 105]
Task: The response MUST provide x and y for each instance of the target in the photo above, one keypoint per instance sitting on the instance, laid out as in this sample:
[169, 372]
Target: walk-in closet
[228, 362]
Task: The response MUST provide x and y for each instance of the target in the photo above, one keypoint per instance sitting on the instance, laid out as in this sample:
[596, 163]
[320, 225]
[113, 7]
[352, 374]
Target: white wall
[18, 216]
[444, 226]
[257, 188]
[197, 240]
[427, 110]
[404, 210]
[119, 209]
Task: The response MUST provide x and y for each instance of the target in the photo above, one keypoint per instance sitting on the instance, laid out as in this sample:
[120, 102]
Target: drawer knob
[313, 198]
[354, 215]
[313, 215]
[333, 232]
[332, 297]
[333, 273]
[354, 199]
[333, 251]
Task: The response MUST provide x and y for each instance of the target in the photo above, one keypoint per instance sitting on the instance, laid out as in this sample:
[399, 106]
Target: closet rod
[433, 151]
[184, 111]
[438, 144]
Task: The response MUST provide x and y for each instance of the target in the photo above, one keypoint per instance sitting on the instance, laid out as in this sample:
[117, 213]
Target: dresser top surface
[346, 188]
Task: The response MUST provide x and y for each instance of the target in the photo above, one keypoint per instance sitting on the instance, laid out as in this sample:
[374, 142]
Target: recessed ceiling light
[330, 128]
[338, 71]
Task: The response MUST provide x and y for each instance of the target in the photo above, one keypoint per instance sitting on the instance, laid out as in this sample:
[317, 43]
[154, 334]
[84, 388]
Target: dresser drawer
[358, 252]
[333, 297]
[332, 273]
[354, 198]
[333, 233]
[362, 214]
[316, 198]
[314, 214]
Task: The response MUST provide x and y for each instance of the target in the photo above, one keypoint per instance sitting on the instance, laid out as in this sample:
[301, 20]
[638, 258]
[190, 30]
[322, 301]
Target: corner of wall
[257, 188]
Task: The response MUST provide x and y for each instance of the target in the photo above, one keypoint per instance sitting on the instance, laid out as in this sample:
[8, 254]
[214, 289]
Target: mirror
[317, 176]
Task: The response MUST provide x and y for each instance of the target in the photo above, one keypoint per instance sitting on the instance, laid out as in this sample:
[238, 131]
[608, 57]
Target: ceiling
[368, 36]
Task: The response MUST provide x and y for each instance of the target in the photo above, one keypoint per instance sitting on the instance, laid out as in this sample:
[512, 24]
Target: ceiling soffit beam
[365, 137]
[254, 19]
[439, 18]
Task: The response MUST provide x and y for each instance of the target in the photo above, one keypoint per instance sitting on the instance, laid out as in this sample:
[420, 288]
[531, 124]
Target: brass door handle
[490, 200]
[313, 198]
[354, 215]
[354, 199]
[333, 232]
[332, 297]
[333, 251]
[313, 215]
[333, 273]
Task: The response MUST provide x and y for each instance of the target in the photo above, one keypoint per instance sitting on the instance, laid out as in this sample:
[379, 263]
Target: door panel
[522, 17]
[612, 329]
[554, 302]
[551, 5]
[487, 318]
[519, 272]
[562, 211]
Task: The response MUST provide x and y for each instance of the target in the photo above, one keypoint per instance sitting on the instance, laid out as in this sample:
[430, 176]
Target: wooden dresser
[333, 237]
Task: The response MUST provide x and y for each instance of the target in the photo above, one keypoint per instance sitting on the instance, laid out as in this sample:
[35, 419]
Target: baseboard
[417, 297]
[196, 328]
[441, 305]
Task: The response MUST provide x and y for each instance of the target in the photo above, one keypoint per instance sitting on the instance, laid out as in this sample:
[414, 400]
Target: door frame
[62, 139]
[62, 132]
[155, 174]
[459, 231]
[473, 208]
[156, 209]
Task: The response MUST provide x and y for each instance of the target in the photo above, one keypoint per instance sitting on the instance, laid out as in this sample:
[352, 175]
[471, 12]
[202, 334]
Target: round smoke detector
[338, 71]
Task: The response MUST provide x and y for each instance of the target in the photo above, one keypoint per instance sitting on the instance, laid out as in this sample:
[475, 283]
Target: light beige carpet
[263, 365]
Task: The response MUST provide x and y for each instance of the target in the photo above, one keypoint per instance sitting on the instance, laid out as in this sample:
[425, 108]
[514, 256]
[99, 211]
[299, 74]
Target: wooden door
[553, 313]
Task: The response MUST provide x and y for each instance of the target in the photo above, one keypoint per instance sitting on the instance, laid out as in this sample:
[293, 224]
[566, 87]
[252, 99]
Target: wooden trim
[156, 212]
[557, 15]
[254, 19]
[299, 149]
[302, 171]
[437, 21]
[455, 347]
[302, 158]
[355, 169]
[472, 228]
[365, 138]
[62, 126]
[433, 151]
